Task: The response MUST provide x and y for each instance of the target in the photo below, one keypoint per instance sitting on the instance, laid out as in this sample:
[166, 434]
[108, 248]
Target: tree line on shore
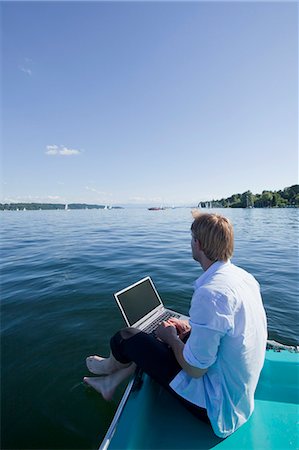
[49, 206]
[285, 198]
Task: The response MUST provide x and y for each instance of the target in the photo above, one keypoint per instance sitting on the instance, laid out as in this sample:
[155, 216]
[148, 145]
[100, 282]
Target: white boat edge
[111, 430]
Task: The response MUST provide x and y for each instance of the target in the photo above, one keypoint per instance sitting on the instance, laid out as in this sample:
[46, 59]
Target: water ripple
[59, 272]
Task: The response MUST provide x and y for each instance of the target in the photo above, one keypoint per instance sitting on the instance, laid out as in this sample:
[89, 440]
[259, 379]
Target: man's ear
[198, 244]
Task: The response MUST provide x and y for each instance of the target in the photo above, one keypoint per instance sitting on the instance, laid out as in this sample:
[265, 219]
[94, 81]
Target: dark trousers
[154, 357]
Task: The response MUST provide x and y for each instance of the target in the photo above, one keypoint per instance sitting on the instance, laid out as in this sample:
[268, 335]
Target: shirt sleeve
[210, 320]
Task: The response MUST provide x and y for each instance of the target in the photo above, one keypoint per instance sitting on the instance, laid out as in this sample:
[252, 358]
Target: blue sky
[148, 102]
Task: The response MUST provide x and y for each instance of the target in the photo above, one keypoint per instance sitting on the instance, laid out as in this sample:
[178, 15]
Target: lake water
[59, 272]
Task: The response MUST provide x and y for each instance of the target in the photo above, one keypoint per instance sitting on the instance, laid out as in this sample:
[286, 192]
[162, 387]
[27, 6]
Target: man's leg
[148, 353]
[129, 347]
[132, 345]
[153, 356]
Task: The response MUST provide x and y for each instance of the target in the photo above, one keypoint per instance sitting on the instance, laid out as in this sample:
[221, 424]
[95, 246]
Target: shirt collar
[209, 272]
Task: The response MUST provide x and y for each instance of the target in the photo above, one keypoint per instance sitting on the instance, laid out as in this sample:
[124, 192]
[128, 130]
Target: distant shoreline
[285, 198]
[51, 206]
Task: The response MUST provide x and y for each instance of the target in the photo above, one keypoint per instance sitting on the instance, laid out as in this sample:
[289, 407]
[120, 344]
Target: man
[211, 364]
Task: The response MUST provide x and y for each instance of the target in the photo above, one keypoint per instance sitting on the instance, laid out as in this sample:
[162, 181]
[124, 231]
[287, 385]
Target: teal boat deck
[153, 419]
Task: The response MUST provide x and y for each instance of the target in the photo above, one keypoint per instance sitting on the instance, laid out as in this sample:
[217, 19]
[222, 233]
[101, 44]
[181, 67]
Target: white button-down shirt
[228, 336]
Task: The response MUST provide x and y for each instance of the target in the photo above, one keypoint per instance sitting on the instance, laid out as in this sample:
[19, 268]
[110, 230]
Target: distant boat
[154, 208]
[66, 207]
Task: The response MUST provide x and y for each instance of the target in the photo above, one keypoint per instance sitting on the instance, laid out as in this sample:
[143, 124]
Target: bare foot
[104, 366]
[98, 365]
[107, 385]
[101, 385]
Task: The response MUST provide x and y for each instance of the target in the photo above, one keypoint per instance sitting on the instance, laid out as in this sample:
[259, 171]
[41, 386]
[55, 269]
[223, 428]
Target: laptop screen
[138, 300]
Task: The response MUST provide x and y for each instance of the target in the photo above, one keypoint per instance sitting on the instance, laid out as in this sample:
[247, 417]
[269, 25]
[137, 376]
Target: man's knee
[118, 344]
[128, 332]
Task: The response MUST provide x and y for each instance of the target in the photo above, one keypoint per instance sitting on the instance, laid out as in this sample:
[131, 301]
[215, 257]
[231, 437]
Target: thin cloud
[26, 70]
[26, 65]
[55, 150]
[69, 151]
[138, 199]
[53, 197]
[91, 189]
[52, 150]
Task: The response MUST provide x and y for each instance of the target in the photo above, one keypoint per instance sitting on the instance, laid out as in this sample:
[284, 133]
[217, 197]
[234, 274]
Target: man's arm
[168, 333]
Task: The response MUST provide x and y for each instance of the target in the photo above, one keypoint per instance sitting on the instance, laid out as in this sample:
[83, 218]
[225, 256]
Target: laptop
[142, 307]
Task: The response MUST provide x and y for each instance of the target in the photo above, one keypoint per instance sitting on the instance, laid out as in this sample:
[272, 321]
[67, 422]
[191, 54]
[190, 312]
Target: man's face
[195, 248]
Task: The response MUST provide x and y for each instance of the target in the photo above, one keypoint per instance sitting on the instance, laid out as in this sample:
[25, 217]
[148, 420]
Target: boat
[154, 208]
[149, 417]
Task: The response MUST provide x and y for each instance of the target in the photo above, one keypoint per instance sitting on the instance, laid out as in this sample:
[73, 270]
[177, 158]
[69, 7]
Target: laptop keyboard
[153, 325]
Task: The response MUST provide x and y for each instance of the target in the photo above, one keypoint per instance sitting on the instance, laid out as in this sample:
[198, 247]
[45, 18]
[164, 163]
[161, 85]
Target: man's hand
[166, 331]
[182, 326]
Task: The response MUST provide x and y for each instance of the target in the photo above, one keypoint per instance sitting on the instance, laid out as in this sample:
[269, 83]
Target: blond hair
[215, 234]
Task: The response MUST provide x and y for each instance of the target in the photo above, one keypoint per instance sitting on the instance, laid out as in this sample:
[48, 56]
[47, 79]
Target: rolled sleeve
[202, 346]
[210, 319]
